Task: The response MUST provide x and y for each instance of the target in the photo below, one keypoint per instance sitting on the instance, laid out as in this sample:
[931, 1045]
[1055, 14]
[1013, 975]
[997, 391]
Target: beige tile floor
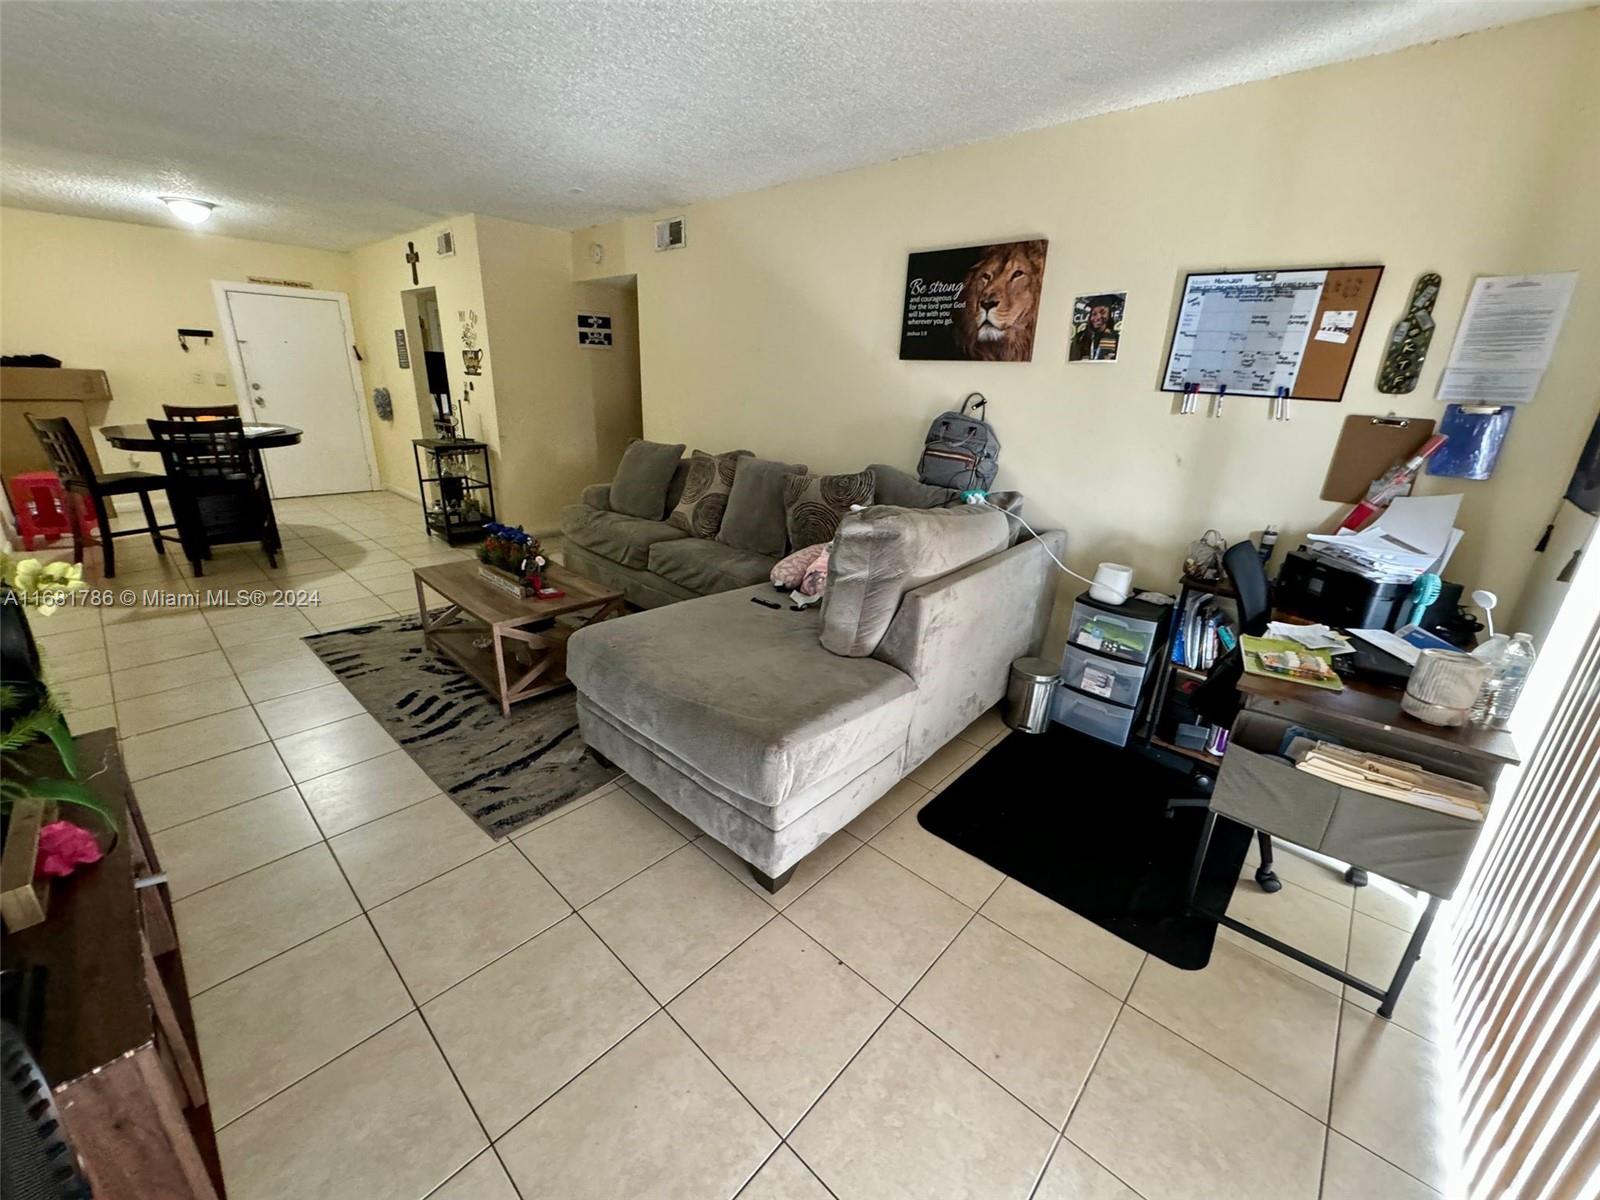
[391, 1005]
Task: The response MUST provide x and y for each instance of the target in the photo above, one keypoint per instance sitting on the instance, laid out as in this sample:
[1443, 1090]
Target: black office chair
[70, 462]
[218, 491]
[1217, 698]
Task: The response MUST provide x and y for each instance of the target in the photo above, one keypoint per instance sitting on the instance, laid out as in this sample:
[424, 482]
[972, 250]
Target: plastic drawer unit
[1098, 718]
[1131, 631]
[1103, 677]
[1105, 667]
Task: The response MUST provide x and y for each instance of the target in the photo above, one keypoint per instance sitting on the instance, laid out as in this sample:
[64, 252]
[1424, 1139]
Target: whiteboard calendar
[1256, 332]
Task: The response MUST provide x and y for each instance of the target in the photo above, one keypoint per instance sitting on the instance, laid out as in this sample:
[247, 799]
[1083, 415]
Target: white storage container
[1108, 678]
[1098, 718]
[1124, 637]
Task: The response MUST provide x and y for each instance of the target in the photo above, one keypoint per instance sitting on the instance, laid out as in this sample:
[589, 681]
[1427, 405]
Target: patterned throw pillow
[705, 494]
[815, 504]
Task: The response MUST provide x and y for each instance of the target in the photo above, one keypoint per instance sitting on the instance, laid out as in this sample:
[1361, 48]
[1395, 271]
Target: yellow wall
[557, 416]
[559, 404]
[613, 374]
[112, 295]
[380, 274]
[776, 327]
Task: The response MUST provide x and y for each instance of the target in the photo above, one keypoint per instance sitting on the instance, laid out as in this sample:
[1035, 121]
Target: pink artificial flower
[64, 847]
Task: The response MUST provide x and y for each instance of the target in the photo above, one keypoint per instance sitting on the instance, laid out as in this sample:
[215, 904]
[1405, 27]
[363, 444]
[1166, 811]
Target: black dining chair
[199, 412]
[70, 462]
[219, 493]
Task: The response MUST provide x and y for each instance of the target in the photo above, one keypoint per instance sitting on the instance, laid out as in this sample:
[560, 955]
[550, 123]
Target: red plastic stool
[44, 509]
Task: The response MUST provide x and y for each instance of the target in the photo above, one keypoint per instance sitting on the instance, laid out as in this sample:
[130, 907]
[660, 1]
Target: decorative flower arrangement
[64, 847]
[512, 549]
[45, 586]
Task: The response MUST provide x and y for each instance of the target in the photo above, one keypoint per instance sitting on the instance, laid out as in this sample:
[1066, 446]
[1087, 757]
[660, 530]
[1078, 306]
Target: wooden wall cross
[413, 258]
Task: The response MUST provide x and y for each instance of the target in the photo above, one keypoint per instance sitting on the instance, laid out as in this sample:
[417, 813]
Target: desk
[1414, 846]
[1373, 709]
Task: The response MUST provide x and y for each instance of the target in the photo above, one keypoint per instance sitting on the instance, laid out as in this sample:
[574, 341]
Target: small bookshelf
[1184, 664]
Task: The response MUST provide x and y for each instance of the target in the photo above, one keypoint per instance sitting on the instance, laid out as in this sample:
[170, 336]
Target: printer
[1325, 592]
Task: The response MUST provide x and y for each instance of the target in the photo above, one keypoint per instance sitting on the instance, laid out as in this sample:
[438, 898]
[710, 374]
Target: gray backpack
[961, 451]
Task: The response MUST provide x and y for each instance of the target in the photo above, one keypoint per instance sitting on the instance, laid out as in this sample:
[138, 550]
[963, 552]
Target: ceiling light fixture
[190, 212]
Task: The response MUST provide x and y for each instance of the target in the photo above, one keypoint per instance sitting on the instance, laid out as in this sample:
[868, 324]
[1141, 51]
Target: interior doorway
[614, 376]
[292, 352]
[437, 407]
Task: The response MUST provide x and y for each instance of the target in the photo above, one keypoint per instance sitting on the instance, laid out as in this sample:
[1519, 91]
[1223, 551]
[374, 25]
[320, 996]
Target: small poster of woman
[1096, 327]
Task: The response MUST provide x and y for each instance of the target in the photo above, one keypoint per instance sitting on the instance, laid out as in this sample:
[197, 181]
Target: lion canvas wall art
[976, 303]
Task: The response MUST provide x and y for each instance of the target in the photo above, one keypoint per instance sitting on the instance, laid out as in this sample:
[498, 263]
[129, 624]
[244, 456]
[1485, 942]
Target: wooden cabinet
[106, 1012]
[81, 396]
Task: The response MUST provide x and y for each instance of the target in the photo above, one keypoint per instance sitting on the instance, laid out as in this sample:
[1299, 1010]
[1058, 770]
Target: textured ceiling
[336, 124]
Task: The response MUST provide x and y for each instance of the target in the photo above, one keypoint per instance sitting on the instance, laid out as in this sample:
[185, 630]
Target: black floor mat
[1085, 824]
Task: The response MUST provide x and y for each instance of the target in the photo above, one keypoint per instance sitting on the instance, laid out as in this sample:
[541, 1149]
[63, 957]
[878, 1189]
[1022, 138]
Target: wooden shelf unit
[108, 1017]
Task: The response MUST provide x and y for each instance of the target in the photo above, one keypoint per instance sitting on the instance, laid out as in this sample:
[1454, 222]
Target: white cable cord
[1036, 536]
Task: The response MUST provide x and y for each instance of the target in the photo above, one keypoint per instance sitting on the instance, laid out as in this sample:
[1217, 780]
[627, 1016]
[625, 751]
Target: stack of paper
[1312, 637]
[1406, 643]
[1390, 777]
[1413, 536]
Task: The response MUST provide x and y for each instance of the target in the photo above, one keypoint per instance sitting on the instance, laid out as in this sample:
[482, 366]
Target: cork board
[1254, 332]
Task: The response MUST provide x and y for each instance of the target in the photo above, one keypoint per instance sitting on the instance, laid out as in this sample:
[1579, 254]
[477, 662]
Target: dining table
[137, 436]
[198, 523]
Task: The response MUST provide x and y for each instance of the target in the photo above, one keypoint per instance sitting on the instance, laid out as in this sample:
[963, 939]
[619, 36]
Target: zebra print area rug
[503, 771]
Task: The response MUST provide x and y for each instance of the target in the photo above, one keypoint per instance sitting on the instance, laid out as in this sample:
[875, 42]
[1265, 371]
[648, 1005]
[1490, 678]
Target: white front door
[294, 366]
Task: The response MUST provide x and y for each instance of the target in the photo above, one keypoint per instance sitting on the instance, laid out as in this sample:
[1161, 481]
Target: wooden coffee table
[490, 632]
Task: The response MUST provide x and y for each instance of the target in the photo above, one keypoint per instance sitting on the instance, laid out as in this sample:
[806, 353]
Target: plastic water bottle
[1504, 685]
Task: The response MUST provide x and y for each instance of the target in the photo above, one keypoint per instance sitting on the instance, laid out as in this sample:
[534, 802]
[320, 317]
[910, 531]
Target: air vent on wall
[447, 244]
[670, 234]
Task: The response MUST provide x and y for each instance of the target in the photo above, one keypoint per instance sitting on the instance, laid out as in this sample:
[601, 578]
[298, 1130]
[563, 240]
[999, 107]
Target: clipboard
[1477, 433]
[1368, 446]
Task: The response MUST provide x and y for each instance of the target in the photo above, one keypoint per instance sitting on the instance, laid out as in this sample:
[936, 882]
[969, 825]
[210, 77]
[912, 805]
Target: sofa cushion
[705, 566]
[754, 520]
[891, 485]
[617, 536]
[814, 504]
[643, 475]
[705, 494]
[744, 696]
[882, 553]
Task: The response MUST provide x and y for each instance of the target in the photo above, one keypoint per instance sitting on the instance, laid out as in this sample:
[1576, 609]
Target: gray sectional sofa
[651, 562]
[654, 563]
[771, 729]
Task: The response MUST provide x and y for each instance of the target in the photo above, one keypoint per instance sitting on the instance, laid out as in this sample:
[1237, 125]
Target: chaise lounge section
[772, 729]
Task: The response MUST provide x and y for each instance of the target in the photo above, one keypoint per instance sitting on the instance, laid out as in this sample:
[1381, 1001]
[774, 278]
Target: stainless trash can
[1028, 695]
